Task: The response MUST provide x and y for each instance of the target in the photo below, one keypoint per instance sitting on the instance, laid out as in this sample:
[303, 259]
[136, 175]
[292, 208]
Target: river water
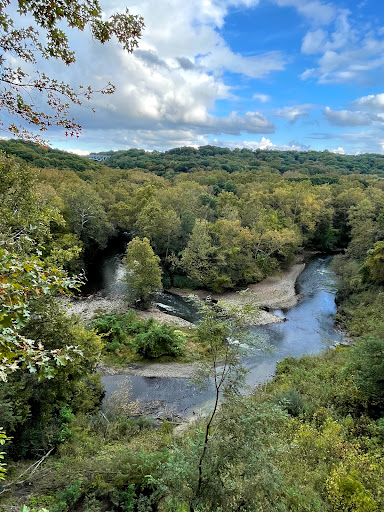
[309, 329]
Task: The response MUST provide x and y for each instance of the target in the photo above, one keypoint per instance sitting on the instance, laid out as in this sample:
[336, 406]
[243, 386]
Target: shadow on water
[309, 330]
[105, 269]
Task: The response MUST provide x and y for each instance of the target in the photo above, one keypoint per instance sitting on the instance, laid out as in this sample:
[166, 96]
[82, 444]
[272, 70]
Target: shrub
[159, 340]
[367, 366]
[118, 329]
[292, 401]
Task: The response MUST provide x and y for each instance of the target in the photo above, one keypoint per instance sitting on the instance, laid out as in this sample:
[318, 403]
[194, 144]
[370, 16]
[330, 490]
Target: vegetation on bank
[127, 338]
[311, 440]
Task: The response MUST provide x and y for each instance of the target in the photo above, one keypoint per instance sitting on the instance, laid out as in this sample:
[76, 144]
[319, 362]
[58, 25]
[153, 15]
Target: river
[309, 329]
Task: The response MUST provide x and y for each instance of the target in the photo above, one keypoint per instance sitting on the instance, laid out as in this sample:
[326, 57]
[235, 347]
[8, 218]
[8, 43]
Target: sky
[275, 74]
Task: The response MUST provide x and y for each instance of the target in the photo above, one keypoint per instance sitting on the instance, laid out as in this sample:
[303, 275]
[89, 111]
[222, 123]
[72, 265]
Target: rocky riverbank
[275, 292]
[93, 306]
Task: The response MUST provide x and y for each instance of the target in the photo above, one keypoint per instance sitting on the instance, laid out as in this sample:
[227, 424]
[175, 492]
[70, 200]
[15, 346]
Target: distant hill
[319, 165]
[187, 159]
[40, 156]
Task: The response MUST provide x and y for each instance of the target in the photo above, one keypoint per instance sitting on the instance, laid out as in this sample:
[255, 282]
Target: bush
[292, 401]
[148, 338]
[159, 340]
[367, 366]
[119, 329]
[116, 327]
[222, 283]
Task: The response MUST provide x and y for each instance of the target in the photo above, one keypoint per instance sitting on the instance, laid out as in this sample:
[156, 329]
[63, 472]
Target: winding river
[309, 329]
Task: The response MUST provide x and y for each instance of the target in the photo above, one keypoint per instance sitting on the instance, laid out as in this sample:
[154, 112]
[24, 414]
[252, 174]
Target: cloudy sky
[275, 74]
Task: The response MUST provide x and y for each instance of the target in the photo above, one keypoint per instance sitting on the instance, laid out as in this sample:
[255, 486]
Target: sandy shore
[275, 292]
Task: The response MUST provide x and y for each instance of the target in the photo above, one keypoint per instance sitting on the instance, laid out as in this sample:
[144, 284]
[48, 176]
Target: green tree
[220, 331]
[161, 226]
[361, 220]
[24, 282]
[36, 405]
[196, 260]
[24, 220]
[45, 38]
[86, 215]
[367, 366]
[143, 272]
[373, 269]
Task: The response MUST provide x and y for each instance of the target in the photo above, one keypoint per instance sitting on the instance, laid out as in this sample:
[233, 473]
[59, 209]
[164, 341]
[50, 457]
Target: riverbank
[88, 308]
[274, 293]
[161, 370]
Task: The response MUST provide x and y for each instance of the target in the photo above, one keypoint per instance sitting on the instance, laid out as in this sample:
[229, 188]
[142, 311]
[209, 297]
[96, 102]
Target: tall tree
[143, 272]
[196, 260]
[161, 226]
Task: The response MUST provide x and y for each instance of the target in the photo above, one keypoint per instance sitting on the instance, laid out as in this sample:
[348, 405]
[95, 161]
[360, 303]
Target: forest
[213, 219]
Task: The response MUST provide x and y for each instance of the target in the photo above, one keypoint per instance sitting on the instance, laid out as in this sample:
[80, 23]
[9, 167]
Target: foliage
[24, 508]
[24, 221]
[373, 270]
[23, 283]
[148, 338]
[239, 226]
[323, 166]
[26, 45]
[220, 331]
[117, 327]
[33, 409]
[45, 157]
[159, 340]
[3, 439]
[311, 440]
[367, 367]
[143, 272]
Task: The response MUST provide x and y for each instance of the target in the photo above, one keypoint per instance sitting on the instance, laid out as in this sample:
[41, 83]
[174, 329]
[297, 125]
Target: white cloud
[339, 151]
[317, 11]
[113, 139]
[251, 122]
[319, 41]
[294, 113]
[222, 58]
[371, 103]
[350, 52]
[263, 98]
[313, 41]
[173, 81]
[354, 142]
[264, 143]
[367, 141]
[80, 152]
[349, 118]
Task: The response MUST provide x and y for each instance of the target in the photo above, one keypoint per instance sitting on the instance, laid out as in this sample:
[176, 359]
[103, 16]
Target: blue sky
[275, 74]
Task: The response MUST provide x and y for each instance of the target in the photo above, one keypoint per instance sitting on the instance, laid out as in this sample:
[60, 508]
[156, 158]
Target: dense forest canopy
[217, 218]
[189, 159]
